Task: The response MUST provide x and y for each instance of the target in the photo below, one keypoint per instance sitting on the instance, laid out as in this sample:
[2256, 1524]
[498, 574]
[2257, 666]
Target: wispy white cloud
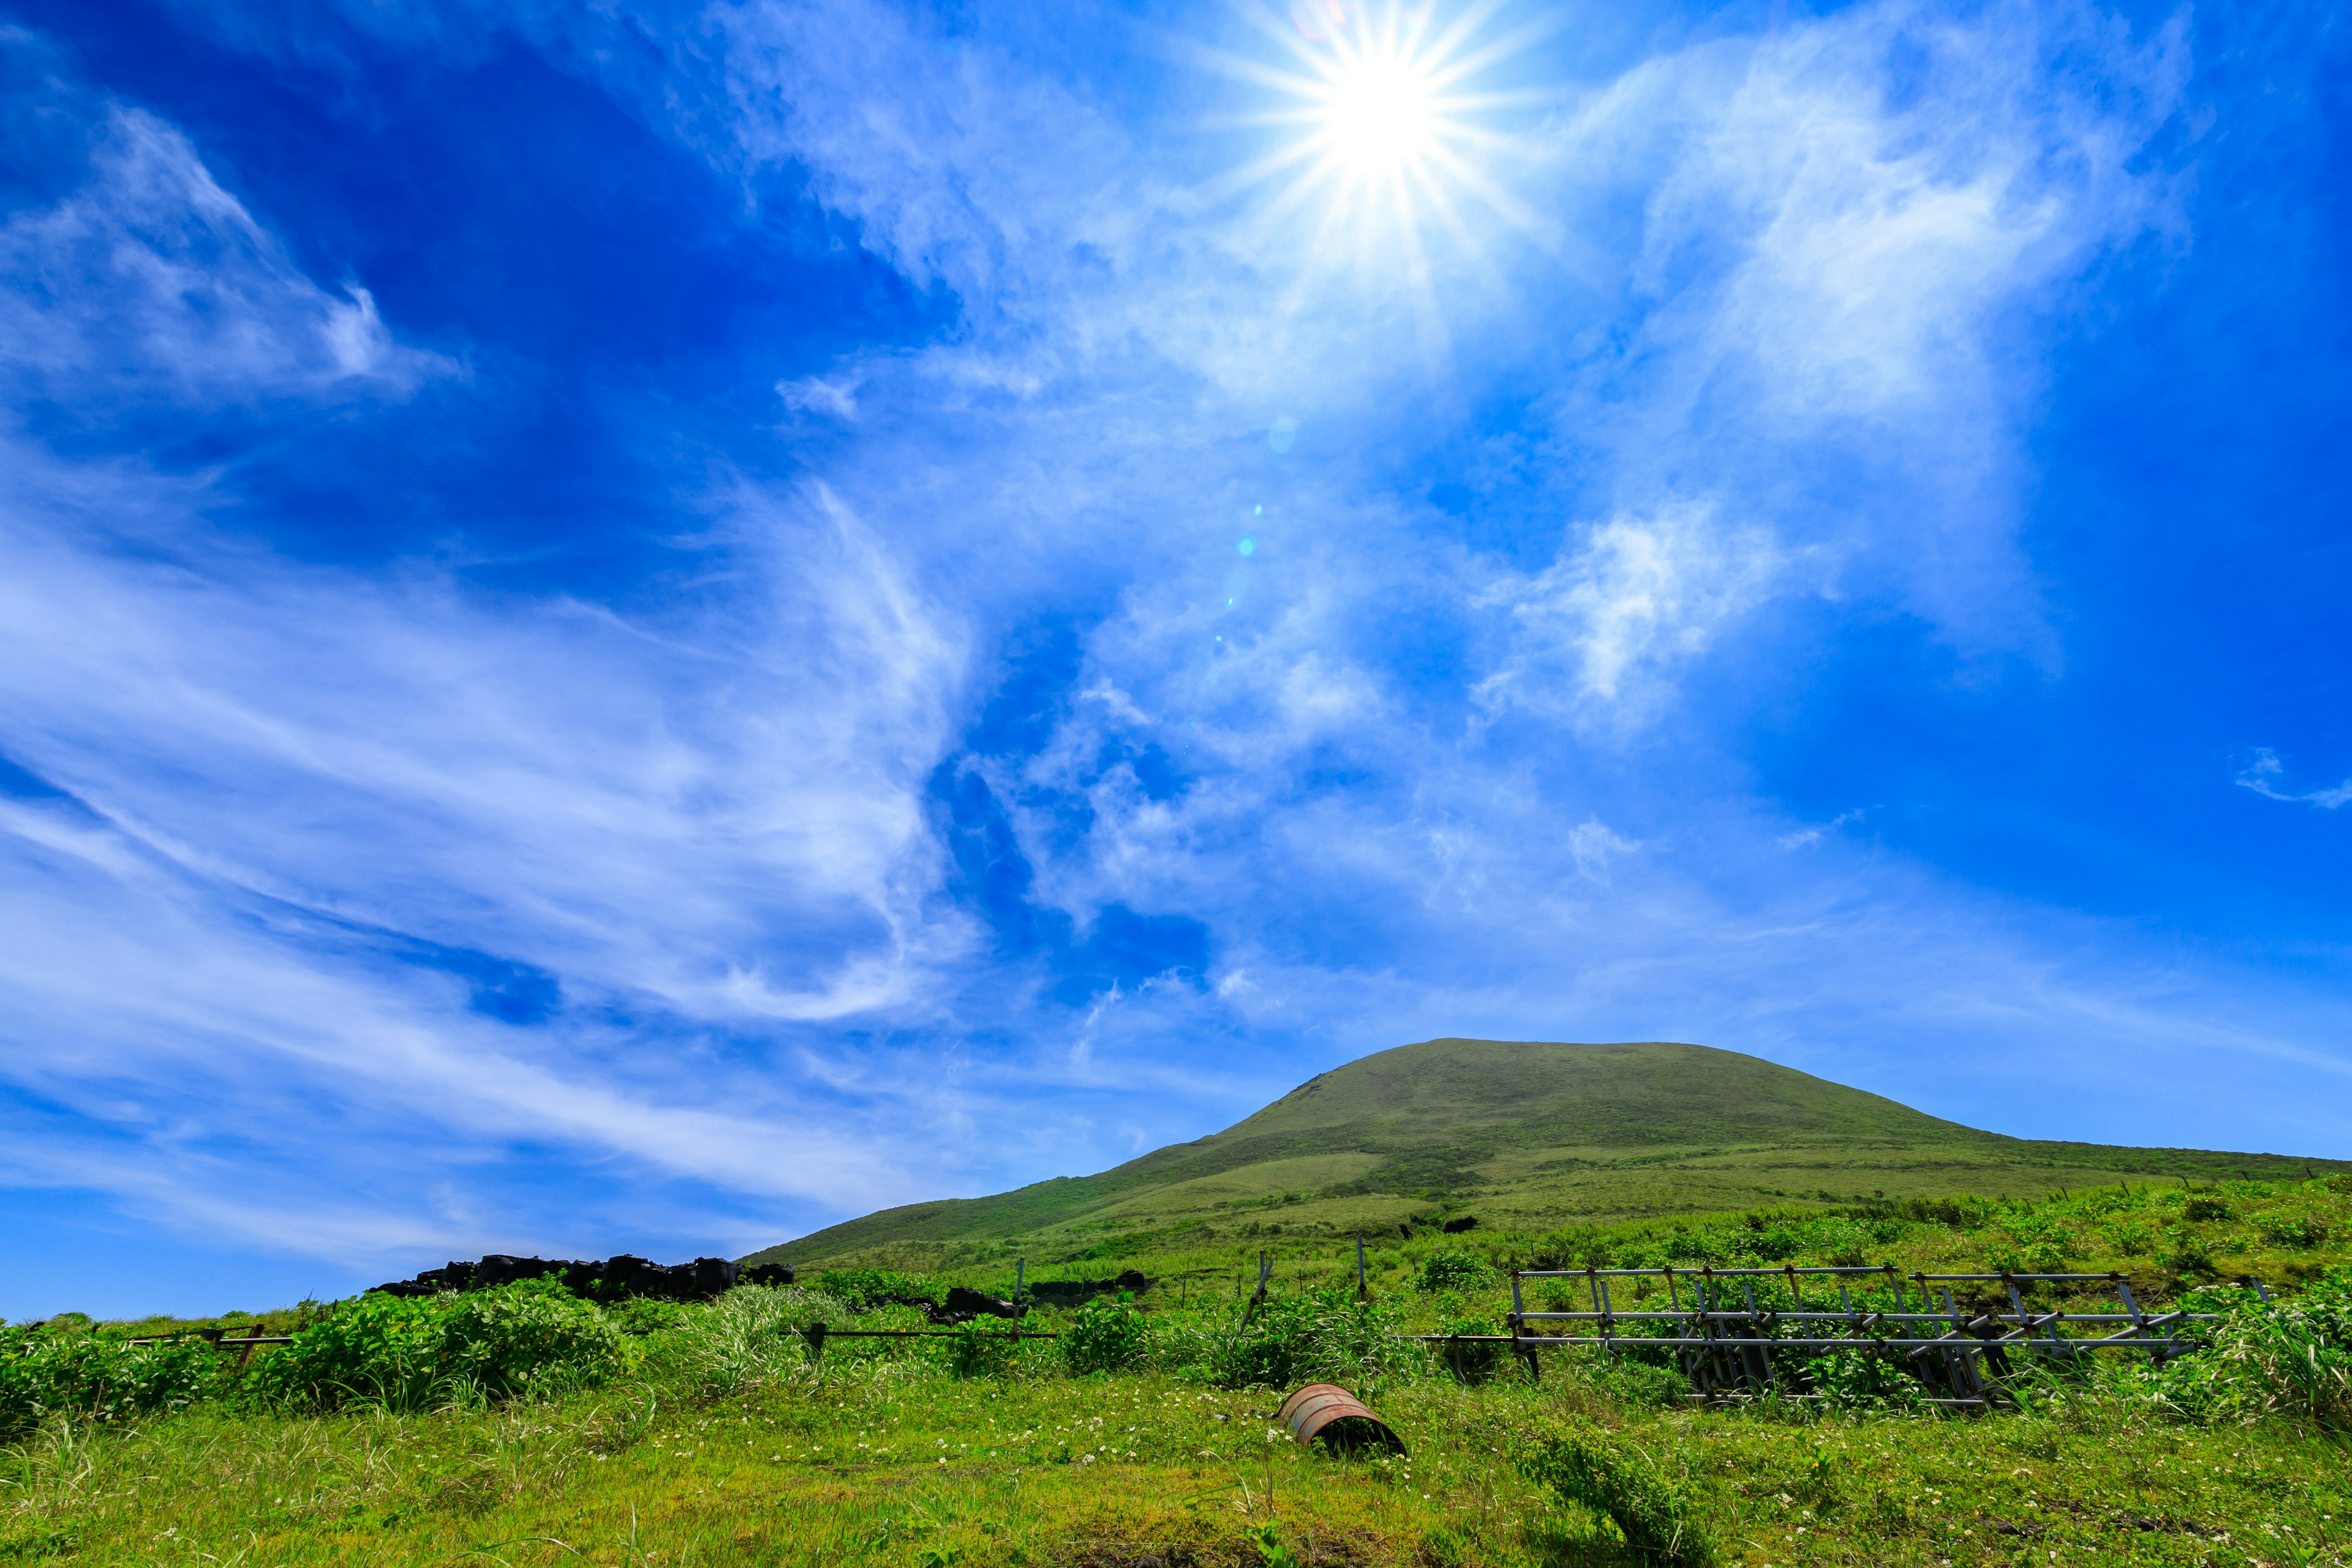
[276, 782]
[1607, 627]
[1804, 838]
[715, 816]
[2261, 776]
[1850, 229]
[154, 280]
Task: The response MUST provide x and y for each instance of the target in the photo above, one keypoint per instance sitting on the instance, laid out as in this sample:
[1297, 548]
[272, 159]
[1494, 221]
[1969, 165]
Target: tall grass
[1615, 1476]
[2268, 1358]
[754, 1336]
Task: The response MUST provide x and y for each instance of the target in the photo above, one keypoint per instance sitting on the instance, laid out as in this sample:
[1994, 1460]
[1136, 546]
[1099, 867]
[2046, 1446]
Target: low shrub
[2192, 1259]
[2293, 1230]
[1454, 1269]
[1471, 1359]
[985, 1347]
[1104, 1336]
[862, 1288]
[1850, 1380]
[527, 1338]
[69, 1371]
[373, 1350]
[532, 1338]
[1617, 1479]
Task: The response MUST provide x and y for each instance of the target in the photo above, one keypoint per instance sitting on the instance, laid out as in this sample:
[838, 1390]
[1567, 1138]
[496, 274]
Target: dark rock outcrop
[608, 1278]
[1070, 1292]
[964, 1303]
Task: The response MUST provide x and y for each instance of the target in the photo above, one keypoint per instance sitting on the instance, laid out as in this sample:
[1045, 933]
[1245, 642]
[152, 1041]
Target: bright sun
[1383, 123]
[1379, 112]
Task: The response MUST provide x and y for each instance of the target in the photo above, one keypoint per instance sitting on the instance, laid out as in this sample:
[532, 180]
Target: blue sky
[646, 627]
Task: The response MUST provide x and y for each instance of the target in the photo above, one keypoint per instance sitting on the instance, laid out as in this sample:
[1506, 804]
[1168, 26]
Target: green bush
[2293, 1230]
[1472, 1359]
[1454, 1269]
[1850, 1380]
[1645, 1379]
[68, 1370]
[372, 1350]
[527, 1338]
[1104, 1336]
[864, 1286]
[985, 1347]
[1594, 1469]
[648, 1314]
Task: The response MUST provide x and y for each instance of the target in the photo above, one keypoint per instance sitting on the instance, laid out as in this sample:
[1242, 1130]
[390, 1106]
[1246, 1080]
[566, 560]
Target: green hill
[1522, 1136]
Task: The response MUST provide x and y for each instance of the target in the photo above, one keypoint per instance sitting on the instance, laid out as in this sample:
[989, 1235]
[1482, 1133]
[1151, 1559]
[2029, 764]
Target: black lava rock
[624, 1274]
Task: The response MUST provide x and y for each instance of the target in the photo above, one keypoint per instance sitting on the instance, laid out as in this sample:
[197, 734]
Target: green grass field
[894, 1463]
[714, 1437]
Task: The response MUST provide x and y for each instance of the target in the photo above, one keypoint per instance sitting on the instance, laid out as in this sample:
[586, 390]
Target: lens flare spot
[1248, 546]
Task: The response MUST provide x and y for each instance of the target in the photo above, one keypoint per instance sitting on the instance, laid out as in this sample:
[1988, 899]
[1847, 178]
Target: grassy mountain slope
[1526, 1136]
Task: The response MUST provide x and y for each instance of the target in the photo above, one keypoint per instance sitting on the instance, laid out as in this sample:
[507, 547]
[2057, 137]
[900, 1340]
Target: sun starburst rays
[1380, 119]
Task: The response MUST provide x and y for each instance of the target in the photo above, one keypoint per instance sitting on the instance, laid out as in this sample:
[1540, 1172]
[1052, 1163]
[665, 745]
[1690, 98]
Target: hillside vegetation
[1522, 1137]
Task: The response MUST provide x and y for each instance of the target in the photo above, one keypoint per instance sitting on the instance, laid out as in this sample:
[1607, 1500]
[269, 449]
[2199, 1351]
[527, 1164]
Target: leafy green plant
[866, 1287]
[1472, 1359]
[1849, 1380]
[1270, 1552]
[1454, 1269]
[1104, 1336]
[1616, 1478]
[2192, 1259]
[2302, 1231]
[528, 1338]
[532, 1338]
[985, 1347]
[373, 1350]
[648, 1314]
[69, 1369]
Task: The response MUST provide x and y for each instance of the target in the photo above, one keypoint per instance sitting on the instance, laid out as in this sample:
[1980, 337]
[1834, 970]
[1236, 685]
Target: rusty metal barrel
[1326, 1410]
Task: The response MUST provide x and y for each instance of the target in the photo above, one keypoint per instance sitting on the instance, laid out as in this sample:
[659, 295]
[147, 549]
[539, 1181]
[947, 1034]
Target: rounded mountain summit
[1517, 1134]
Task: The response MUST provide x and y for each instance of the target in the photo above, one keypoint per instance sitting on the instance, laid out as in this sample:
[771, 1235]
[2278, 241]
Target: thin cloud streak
[2261, 773]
